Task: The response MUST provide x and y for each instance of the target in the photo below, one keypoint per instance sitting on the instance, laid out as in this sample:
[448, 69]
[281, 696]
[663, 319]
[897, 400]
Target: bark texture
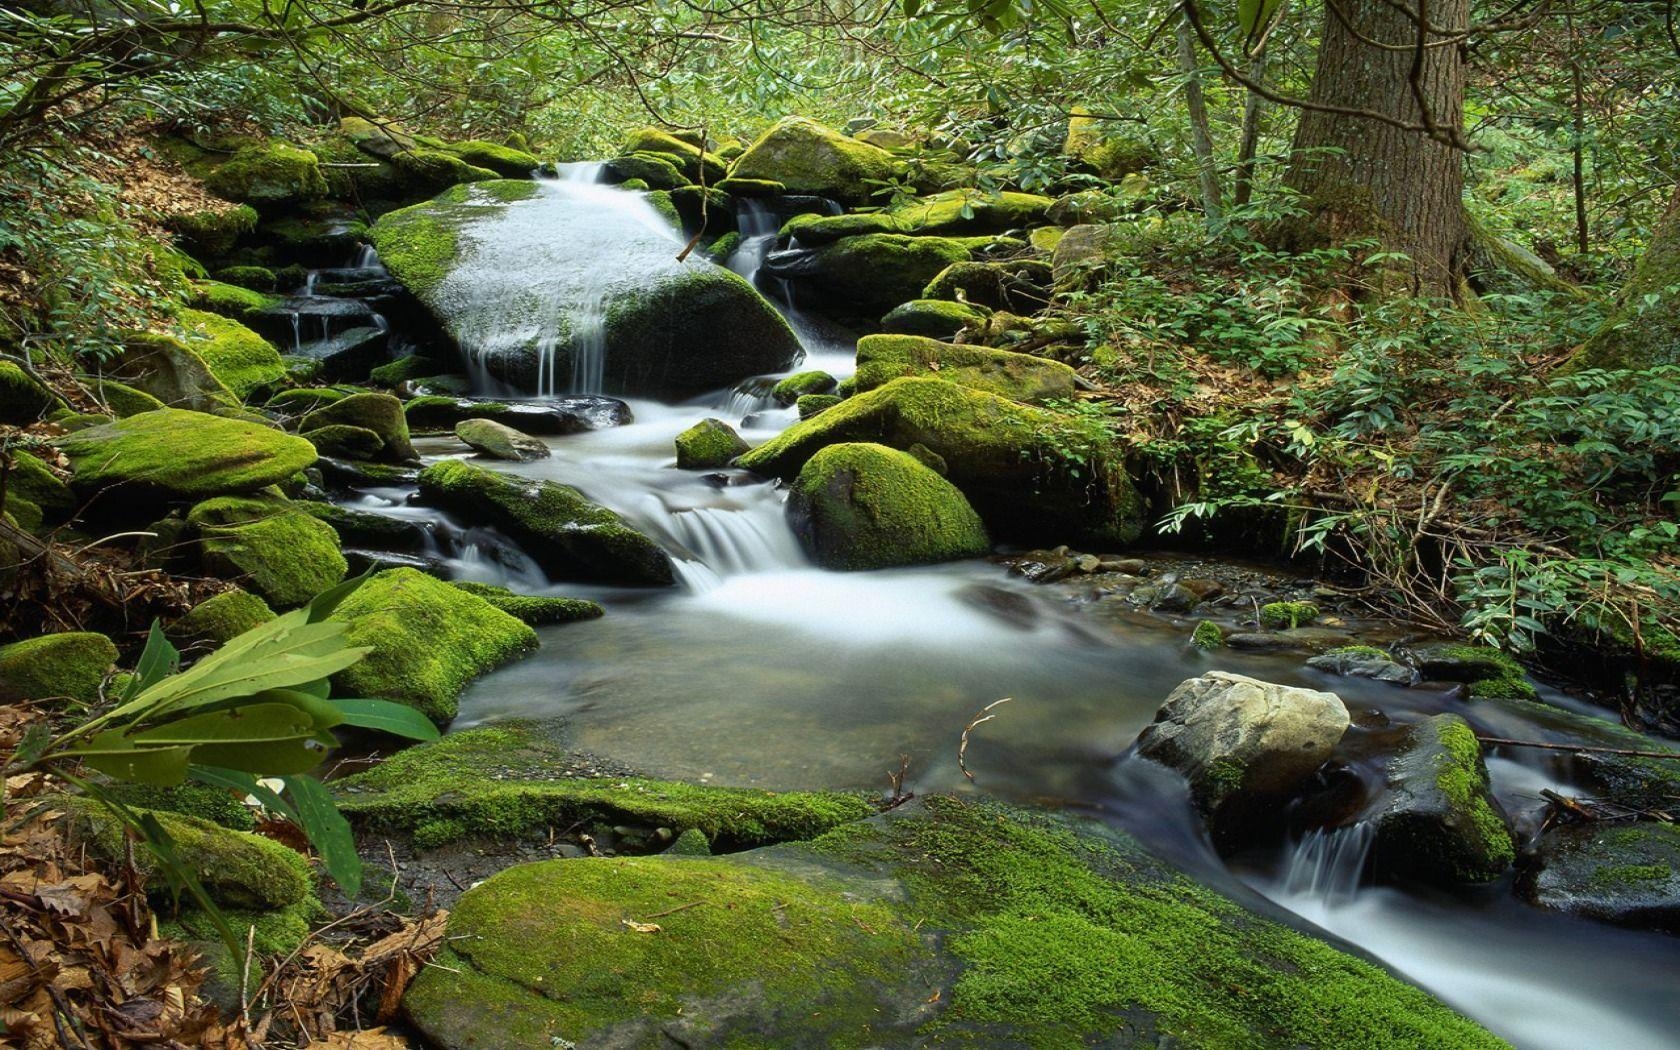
[1645, 329]
[1364, 177]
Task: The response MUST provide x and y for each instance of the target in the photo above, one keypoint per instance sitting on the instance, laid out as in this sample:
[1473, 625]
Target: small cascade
[758, 226]
[740, 534]
[1327, 864]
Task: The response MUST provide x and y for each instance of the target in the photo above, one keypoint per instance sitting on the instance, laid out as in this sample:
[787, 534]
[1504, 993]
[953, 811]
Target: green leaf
[253, 723]
[157, 661]
[237, 780]
[328, 832]
[117, 757]
[329, 600]
[388, 717]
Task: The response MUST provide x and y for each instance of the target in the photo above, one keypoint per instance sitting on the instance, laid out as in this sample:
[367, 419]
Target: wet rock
[1488, 672]
[1439, 822]
[362, 528]
[1045, 566]
[1019, 377]
[546, 418]
[708, 444]
[1626, 874]
[1363, 661]
[1300, 640]
[1167, 596]
[1243, 743]
[365, 475]
[1011, 607]
[500, 441]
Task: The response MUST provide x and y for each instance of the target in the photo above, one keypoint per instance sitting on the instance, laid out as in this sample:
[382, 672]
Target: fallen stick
[982, 717]
[1590, 749]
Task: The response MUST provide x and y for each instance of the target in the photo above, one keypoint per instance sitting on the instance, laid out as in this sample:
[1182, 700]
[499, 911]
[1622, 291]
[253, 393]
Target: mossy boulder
[1019, 377]
[230, 300]
[870, 274]
[556, 524]
[810, 404]
[751, 187]
[694, 162]
[169, 369]
[23, 398]
[1022, 286]
[933, 318]
[671, 328]
[1028, 471]
[436, 413]
[1487, 672]
[536, 610]
[32, 481]
[428, 640]
[652, 171]
[1618, 873]
[419, 172]
[1034, 930]
[863, 506]
[175, 453]
[56, 668]
[380, 413]
[795, 387]
[122, 399]
[220, 618]
[807, 157]
[1286, 616]
[303, 400]
[957, 212]
[275, 549]
[507, 782]
[500, 441]
[1439, 822]
[341, 441]
[255, 278]
[244, 361]
[506, 161]
[1108, 148]
[213, 232]
[708, 444]
[270, 177]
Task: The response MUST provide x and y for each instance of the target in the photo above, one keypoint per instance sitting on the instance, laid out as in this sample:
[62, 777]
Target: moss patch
[272, 175]
[1286, 616]
[428, 639]
[863, 506]
[795, 387]
[23, 400]
[277, 550]
[244, 361]
[708, 444]
[1019, 377]
[934, 318]
[68, 666]
[220, 618]
[380, 413]
[538, 611]
[806, 157]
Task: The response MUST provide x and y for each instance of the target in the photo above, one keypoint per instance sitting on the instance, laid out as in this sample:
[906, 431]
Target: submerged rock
[1034, 930]
[708, 444]
[862, 506]
[539, 282]
[1627, 874]
[1019, 377]
[1243, 743]
[1027, 471]
[1439, 822]
[428, 641]
[181, 454]
[500, 441]
[558, 526]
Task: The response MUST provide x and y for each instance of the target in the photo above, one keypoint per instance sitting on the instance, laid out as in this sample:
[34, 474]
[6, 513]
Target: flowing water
[760, 669]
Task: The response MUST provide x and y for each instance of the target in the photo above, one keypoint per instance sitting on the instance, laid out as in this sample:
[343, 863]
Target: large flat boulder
[175, 453]
[1019, 377]
[807, 157]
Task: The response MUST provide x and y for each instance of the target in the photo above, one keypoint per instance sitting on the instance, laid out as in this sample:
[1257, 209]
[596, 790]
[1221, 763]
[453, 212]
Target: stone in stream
[1438, 821]
[943, 922]
[499, 441]
[1019, 377]
[1363, 661]
[537, 282]
[868, 275]
[708, 444]
[557, 525]
[863, 506]
[176, 454]
[1243, 744]
[806, 157]
[552, 417]
[380, 413]
[275, 548]
[1627, 874]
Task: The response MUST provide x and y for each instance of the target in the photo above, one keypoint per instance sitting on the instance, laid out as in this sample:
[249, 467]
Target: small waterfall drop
[1327, 864]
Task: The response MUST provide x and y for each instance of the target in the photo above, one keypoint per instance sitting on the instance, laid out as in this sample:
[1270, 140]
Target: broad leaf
[237, 780]
[159, 767]
[329, 600]
[328, 832]
[388, 717]
[157, 661]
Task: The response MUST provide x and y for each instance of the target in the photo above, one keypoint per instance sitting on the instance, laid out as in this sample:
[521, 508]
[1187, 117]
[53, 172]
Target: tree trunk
[1363, 177]
[1254, 111]
[1645, 329]
[1201, 135]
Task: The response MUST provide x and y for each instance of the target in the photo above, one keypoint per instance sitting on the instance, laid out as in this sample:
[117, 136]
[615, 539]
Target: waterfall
[1327, 865]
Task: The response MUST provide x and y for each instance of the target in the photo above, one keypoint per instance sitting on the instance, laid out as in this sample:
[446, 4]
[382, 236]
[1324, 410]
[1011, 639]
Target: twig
[979, 719]
[673, 911]
[1628, 752]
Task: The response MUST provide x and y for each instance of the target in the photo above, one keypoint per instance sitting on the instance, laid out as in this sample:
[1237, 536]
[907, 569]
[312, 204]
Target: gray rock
[1624, 874]
[1362, 662]
[500, 441]
[1166, 596]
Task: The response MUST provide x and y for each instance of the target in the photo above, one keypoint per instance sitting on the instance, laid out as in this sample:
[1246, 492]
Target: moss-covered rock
[806, 157]
[1286, 616]
[184, 455]
[230, 300]
[403, 369]
[342, 441]
[1019, 377]
[428, 640]
[419, 244]
[1488, 672]
[654, 171]
[213, 231]
[694, 162]
[221, 617]
[751, 187]
[1618, 873]
[933, 318]
[863, 506]
[244, 361]
[170, 370]
[278, 551]
[500, 441]
[32, 481]
[219, 806]
[1439, 822]
[797, 386]
[303, 400]
[255, 278]
[871, 274]
[1035, 931]
[505, 161]
[954, 213]
[708, 444]
[122, 399]
[380, 413]
[1030, 472]
[502, 782]
[536, 610]
[56, 668]
[557, 525]
[810, 404]
[1109, 148]
[271, 176]
[23, 398]
[419, 172]
[1019, 285]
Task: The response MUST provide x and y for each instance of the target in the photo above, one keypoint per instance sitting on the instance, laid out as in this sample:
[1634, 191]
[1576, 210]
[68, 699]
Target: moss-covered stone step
[942, 922]
[1019, 377]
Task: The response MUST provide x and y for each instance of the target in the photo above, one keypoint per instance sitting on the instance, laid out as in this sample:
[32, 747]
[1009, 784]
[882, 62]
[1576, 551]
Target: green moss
[1362, 652]
[864, 506]
[70, 665]
[1027, 470]
[214, 231]
[244, 361]
[538, 611]
[217, 805]
[303, 400]
[1464, 782]
[653, 170]
[751, 187]
[873, 273]
[500, 782]
[505, 161]
[661, 202]
[237, 869]
[806, 157]
[1207, 635]
[795, 387]
[428, 640]
[221, 617]
[1491, 674]
[691, 843]
[1287, 615]
[123, 399]
[934, 318]
[345, 442]
[955, 212]
[1019, 377]
[229, 300]
[1105, 145]
[280, 552]
[694, 161]
[723, 247]
[274, 174]
[417, 245]
[30, 479]
[412, 366]
[559, 526]
[271, 934]
[421, 171]
[256, 278]
[810, 404]
[23, 399]
[380, 413]
[1613, 876]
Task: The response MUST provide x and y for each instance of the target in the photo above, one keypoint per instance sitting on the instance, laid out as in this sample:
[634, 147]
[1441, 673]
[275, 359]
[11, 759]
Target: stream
[760, 669]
